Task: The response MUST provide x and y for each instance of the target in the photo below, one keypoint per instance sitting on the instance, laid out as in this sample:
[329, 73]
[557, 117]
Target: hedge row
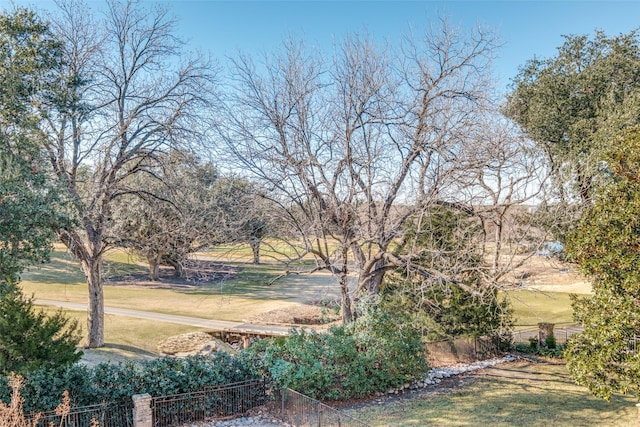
[107, 382]
[375, 353]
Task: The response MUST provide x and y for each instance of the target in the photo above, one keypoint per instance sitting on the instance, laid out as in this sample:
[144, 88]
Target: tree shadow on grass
[517, 394]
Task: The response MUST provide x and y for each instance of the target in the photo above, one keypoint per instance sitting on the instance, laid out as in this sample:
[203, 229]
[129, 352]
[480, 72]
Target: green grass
[531, 307]
[129, 336]
[234, 299]
[530, 394]
[237, 298]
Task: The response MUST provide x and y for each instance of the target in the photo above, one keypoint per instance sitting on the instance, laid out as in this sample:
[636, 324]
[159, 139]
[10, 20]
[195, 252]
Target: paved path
[218, 325]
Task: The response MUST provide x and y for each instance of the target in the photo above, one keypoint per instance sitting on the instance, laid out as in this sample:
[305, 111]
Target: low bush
[552, 351]
[12, 414]
[108, 382]
[374, 353]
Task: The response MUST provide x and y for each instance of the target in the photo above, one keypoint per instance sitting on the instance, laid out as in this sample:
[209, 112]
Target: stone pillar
[142, 414]
[544, 330]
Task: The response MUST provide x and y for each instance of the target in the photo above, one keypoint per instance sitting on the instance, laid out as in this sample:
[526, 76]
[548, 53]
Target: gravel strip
[256, 421]
[435, 375]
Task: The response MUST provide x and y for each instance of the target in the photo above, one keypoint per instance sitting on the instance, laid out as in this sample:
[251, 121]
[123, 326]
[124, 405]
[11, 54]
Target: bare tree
[175, 215]
[503, 189]
[126, 95]
[353, 147]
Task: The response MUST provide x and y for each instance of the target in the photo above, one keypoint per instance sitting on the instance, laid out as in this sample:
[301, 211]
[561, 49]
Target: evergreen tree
[445, 239]
[30, 209]
[573, 103]
[606, 245]
[29, 338]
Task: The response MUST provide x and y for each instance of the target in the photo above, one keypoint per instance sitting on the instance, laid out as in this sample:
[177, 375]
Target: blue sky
[527, 28]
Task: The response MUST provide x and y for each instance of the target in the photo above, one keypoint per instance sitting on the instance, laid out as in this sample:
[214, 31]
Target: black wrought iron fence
[113, 414]
[303, 411]
[212, 402]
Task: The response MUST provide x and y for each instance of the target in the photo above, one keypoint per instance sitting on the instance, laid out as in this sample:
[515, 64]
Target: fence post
[545, 330]
[142, 413]
[282, 403]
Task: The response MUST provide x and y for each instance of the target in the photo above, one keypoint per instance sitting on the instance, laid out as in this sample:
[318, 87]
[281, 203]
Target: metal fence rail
[561, 334]
[303, 411]
[113, 414]
[221, 401]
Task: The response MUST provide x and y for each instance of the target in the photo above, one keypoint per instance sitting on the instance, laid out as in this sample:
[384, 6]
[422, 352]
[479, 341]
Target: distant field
[235, 299]
[271, 251]
[531, 307]
[240, 297]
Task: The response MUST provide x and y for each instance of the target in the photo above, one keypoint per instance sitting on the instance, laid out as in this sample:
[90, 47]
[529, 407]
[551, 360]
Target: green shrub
[31, 339]
[108, 382]
[550, 341]
[374, 353]
[532, 348]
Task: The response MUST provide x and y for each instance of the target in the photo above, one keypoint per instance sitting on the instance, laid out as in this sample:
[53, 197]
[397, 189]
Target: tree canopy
[29, 55]
[575, 102]
[185, 206]
[350, 148]
[30, 209]
[126, 95]
[606, 356]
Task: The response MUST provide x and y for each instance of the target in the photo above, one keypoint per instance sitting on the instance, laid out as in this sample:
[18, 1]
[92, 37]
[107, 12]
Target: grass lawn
[127, 337]
[235, 299]
[240, 297]
[531, 307]
[522, 394]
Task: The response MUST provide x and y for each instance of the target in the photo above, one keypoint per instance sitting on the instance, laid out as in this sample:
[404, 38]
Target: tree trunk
[95, 310]
[345, 303]
[177, 264]
[375, 283]
[255, 248]
[154, 267]
[179, 269]
[90, 258]
[498, 245]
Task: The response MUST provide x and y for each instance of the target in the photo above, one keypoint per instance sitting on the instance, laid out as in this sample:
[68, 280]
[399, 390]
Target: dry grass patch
[241, 297]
